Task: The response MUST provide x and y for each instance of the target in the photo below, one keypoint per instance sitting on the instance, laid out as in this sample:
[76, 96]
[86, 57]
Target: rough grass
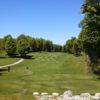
[47, 72]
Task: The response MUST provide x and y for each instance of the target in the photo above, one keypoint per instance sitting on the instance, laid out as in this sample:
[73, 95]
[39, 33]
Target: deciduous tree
[90, 34]
[10, 46]
[23, 46]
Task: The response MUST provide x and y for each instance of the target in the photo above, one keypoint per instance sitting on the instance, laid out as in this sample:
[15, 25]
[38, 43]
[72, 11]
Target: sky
[56, 20]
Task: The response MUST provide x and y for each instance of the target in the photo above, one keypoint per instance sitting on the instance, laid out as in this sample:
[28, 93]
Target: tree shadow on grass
[97, 72]
[2, 70]
[77, 55]
[25, 57]
[28, 57]
[97, 69]
[17, 56]
[1, 57]
[0, 74]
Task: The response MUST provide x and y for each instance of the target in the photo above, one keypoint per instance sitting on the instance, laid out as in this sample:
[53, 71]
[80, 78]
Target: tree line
[88, 40]
[90, 33]
[73, 46]
[23, 44]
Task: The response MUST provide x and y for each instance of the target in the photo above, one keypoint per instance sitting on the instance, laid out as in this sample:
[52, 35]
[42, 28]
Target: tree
[69, 45]
[34, 45]
[64, 49]
[10, 46]
[0, 45]
[5, 38]
[48, 45]
[73, 46]
[76, 47]
[41, 44]
[30, 40]
[90, 34]
[23, 46]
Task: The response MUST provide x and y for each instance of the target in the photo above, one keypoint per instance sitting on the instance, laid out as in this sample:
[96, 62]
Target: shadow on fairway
[0, 74]
[1, 57]
[25, 57]
[3, 69]
[28, 57]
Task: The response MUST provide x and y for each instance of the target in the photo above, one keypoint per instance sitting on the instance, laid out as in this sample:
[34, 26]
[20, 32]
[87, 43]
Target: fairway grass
[47, 72]
[6, 61]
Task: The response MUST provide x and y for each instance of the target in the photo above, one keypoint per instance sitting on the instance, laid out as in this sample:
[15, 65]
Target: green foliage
[48, 46]
[23, 46]
[30, 40]
[5, 38]
[34, 44]
[90, 34]
[76, 47]
[1, 45]
[69, 45]
[73, 46]
[64, 49]
[10, 45]
[57, 48]
[39, 44]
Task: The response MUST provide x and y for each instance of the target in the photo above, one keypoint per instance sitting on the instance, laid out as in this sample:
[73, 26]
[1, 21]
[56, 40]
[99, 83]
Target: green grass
[6, 61]
[48, 72]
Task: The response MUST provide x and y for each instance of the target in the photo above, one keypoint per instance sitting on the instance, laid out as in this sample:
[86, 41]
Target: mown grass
[47, 72]
[6, 61]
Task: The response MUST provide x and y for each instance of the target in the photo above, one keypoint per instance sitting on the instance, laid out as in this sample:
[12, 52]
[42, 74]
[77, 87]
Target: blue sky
[56, 20]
